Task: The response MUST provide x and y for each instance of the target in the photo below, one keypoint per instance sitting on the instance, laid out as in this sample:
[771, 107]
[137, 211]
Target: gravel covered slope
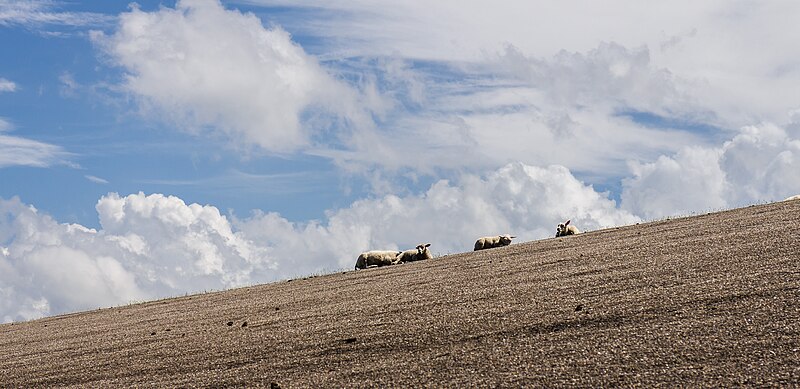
[711, 300]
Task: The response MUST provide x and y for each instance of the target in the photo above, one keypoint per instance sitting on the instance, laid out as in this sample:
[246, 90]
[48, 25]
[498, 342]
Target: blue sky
[163, 148]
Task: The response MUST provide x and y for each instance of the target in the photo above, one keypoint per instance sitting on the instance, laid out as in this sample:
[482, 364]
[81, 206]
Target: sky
[155, 149]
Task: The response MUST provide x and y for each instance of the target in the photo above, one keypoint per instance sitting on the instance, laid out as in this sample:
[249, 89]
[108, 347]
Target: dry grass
[711, 300]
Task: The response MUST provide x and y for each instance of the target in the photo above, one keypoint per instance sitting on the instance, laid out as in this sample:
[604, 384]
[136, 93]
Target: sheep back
[488, 242]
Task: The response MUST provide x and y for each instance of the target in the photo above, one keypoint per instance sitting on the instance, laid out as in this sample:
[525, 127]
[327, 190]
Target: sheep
[418, 254]
[488, 242]
[795, 197]
[377, 258]
[565, 229]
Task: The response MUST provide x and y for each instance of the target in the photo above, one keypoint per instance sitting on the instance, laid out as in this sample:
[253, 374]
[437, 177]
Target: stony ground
[711, 300]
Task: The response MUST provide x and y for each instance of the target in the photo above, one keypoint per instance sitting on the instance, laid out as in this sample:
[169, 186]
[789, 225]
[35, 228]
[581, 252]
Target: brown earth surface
[711, 300]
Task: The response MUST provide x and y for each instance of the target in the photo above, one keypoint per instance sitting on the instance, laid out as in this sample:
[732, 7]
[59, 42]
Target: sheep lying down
[377, 258]
[565, 229]
[419, 253]
[488, 242]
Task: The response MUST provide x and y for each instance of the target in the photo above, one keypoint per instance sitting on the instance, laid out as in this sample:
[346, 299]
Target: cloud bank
[149, 246]
[154, 246]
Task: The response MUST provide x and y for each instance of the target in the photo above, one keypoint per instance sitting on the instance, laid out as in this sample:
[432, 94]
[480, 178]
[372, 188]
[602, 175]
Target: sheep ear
[427, 245]
[567, 223]
[512, 237]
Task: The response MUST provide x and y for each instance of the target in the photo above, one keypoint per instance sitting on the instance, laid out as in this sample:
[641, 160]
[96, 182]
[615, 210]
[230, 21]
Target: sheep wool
[488, 242]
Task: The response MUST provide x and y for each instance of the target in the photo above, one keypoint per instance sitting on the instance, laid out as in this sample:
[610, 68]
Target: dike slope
[711, 300]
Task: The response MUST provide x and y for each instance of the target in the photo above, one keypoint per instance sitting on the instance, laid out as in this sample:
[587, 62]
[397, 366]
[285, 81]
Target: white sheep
[376, 258]
[565, 229]
[488, 242]
[795, 197]
[418, 254]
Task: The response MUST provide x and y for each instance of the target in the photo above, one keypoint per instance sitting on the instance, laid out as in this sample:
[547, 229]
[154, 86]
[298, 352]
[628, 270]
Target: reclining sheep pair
[385, 258]
[376, 258]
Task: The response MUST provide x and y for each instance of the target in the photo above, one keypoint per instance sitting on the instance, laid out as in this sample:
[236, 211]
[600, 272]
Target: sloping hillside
[712, 300]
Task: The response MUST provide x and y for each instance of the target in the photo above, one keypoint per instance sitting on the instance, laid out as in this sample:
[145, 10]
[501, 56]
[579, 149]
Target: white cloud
[205, 67]
[95, 179]
[733, 57]
[605, 78]
[465, 30]
[7, 85]
[150, 246]
[761, 163]
[497, 91]
[562, 110]
[37, 13]
[5, 125]
[194, 246]
[522, 200]
[68, 86]
[18, 151]
[156, 246]
[689, 181]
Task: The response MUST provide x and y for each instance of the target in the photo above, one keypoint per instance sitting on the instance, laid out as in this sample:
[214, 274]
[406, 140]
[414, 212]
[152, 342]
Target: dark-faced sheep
[377, 258]
[565, 229]
[418, 254]
[488, 242]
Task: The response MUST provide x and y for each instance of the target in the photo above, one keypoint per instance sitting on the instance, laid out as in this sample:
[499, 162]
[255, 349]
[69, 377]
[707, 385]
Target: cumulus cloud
[208, 68]
[154, 246]
[149, 246]
[761, 163]
[45, 271]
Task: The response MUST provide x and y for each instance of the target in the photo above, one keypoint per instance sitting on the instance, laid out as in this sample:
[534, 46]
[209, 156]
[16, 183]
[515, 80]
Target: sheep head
[422, 248]
[506, 239]
[561, 230]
